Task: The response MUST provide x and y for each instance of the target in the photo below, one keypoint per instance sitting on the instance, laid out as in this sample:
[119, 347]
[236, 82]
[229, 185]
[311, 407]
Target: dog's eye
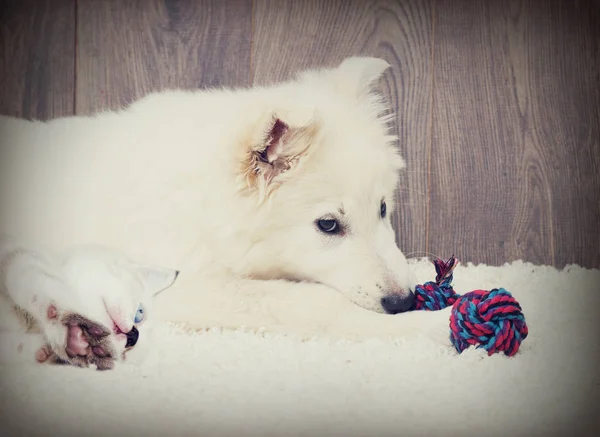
[383, 209]
[139, 314]
[329, 226]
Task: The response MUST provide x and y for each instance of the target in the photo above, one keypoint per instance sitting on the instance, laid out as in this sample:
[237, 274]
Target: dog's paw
[76, 340]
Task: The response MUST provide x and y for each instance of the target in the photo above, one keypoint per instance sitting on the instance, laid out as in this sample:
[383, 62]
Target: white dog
[274, 202]
[88, 306]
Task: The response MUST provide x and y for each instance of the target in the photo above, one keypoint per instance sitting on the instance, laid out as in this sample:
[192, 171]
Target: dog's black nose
[132, 337]
[397, 303]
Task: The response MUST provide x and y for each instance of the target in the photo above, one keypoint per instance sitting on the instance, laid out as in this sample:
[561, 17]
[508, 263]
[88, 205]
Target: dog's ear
[276, 148]
[356, 75]
[156, 279]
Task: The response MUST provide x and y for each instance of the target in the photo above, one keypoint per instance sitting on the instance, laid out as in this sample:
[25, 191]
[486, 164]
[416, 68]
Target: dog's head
[323, 169]
[116, 292]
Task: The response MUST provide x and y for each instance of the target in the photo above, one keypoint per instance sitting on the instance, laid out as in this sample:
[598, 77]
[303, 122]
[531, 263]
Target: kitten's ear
[156, 279]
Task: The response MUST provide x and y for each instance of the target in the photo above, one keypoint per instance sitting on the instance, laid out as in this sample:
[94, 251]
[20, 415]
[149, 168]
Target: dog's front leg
[303, 309]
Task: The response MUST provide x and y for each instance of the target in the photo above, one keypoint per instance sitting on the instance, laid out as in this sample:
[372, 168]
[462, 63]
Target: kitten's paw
[76, 340]
[44, 354]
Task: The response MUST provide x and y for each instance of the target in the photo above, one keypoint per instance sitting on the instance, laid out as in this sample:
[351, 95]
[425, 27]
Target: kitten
[86, 307]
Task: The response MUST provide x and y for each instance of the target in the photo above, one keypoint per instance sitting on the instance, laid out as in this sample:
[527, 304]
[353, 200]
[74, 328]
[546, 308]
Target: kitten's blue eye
[139, 315]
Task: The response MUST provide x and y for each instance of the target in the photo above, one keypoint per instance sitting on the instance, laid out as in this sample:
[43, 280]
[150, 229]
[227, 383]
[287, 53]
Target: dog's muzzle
[397, 303]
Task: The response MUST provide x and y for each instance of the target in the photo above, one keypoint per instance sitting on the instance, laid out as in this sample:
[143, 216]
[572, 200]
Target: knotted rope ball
[492, 319]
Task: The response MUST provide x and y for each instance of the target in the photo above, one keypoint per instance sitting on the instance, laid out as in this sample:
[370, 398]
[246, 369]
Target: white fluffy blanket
[222, 383]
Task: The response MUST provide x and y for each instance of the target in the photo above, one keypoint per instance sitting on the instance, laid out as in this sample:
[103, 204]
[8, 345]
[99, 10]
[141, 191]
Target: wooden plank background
[37, 58]
[497, 102]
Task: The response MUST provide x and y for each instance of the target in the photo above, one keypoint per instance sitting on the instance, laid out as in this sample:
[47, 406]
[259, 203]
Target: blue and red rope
[492, 320]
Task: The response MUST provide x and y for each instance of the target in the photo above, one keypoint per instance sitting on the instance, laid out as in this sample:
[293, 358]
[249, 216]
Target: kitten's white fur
[94, 282]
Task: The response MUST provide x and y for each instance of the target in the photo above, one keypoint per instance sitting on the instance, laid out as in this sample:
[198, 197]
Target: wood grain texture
[564, 82]
[293, 35]
[37, 58]
[488, 192]
[128, 49]
[514, 134]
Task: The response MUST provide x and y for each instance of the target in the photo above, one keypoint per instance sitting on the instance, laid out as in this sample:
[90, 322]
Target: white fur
[167, 182]
[235, 383]
[93, 281]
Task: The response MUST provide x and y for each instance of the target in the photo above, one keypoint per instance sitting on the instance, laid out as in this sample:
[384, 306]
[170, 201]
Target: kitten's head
[117, 293]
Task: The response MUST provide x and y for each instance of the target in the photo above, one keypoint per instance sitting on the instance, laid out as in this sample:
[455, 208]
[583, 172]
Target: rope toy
[492, 320]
